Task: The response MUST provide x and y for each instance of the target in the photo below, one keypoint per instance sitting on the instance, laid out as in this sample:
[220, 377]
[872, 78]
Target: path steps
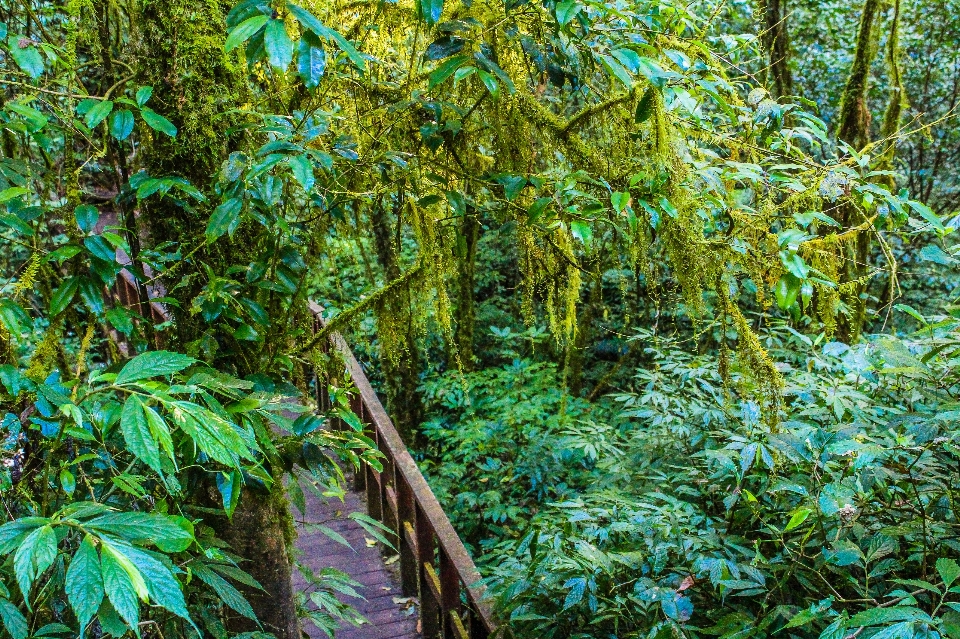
[384, 606]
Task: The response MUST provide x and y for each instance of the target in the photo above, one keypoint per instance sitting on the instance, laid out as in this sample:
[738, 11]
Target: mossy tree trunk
[465, 311]
[194, 84]
[853, 128]
[400, 355]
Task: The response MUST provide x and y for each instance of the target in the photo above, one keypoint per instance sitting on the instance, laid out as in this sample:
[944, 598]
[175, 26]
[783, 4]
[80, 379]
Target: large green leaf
[13, 620]
[140, 527]
[242, 32]
[309, 21]
[227, 593]
[34, 556]
[64, 294]
[157, 122]
[214, 435]
[99, 113]
[225, 218]
[278, 44]
[430, 10]
[123, 584]
[121, 124]
[84, 582]
[160, 431]
[311, 60]
[26, 55]
[163, 587]
[137, 434]
[153, 364]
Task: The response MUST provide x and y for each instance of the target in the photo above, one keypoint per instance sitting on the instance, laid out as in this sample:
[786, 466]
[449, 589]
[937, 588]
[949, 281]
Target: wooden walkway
[390, 615]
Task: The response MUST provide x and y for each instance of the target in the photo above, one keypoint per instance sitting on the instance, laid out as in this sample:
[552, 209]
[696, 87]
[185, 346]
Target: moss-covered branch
[347, 316]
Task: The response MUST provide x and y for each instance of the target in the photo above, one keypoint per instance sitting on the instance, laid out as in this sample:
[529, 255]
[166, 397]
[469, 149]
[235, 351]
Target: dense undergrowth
[664, 303]
[671, 504]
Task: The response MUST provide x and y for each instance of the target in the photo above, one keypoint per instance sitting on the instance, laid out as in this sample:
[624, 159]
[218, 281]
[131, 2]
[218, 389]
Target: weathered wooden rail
[434, 564]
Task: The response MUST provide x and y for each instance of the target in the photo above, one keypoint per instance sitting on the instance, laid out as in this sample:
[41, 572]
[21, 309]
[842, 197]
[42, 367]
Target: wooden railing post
[433, 561]
[406, 514]
[429, 583]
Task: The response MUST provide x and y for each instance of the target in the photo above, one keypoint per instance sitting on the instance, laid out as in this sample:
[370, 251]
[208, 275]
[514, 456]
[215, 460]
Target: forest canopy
[660, 295]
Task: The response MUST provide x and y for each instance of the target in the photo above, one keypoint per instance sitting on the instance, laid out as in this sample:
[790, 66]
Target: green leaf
[64, 294]
[577, 586]
[63, 253]
[311, 60]
[153, 364]
[933, 253]
[567, 11]
[121, 124]
[13, 192]
[137, 434]
[67, 481]
[882, 616]
[86, 217]
[227, 593]
[34, 556]
[278, 44]
[26, 55]
[142, 527]
[13, 620]
[645, 106]
[12, 316]
[912, 312]
[619, 200]
[794, 264]
[84, 582]
[99, 248]
[430, 10]
[798, 518]
[230, 485]
[582, 231]
[35, 120]
[214, 435]
[243, 31]
[157, 122]
[927, 213]
[309, 21]
[160, 431]
[302, 169]
[162, 586]
[786, 291]
[99, 113]
[110, 621]
[143, 95]
[445, 70]
[225, 219]
[949, 571]
[123, 583]
[617, 70]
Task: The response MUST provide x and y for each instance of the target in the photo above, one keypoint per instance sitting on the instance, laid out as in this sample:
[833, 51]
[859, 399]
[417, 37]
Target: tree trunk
[401, 370]
[776, 42]
[194, 83]
[465, 311]
[261, 532]
[853, 128]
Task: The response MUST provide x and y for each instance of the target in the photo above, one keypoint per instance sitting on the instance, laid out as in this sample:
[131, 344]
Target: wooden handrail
[434, 564]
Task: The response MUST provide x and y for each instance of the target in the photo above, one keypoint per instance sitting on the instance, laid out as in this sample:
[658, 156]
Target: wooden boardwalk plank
[388, 619]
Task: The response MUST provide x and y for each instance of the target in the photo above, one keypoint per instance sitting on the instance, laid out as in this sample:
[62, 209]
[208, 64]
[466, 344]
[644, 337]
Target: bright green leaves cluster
[158, 413]
[121, 121]
[267, 38]
[110, 569]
